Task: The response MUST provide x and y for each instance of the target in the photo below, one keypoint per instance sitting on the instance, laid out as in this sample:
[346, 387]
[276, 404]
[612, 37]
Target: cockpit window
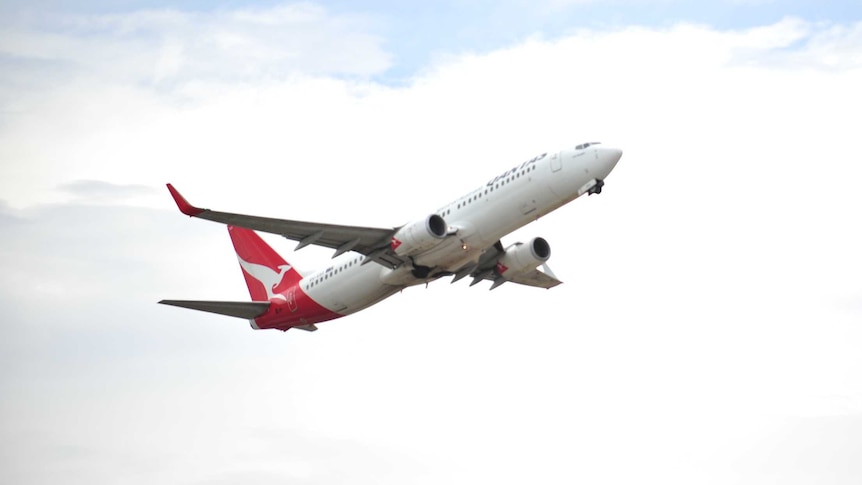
[587, 145]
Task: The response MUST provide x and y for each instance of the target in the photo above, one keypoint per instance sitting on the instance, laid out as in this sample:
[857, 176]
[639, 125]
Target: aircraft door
[556, 162]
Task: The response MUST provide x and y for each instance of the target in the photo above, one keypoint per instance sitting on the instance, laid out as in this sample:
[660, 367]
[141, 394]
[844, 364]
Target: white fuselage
[479, 219]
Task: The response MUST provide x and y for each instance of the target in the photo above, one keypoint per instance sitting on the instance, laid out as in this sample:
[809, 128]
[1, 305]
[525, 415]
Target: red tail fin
[266, 273]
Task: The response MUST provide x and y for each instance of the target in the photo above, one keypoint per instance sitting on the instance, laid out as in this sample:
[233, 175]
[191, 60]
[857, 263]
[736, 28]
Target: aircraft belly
[482, 226]
[444, 252]
[516, 209]
[358, 288]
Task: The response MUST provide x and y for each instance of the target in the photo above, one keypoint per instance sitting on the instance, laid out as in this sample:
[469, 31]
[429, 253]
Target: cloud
[698, 312]
[795, 44]
[169, 47]
[97, 190]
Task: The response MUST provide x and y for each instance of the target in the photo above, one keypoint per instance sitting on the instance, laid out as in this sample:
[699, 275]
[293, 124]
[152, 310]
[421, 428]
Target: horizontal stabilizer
[240, 309]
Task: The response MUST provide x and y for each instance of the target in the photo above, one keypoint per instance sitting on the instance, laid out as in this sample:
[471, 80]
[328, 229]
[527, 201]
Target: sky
[708, 330]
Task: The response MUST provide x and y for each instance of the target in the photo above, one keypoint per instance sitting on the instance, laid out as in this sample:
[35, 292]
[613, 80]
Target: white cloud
[706, 299]
[166, 47]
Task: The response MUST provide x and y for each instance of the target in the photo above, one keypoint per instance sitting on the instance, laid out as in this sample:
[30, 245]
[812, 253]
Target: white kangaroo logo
[267, 277]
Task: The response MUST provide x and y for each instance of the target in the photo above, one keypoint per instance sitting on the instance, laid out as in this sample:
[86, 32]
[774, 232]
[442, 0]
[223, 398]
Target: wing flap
[536, 278]
[239, 309]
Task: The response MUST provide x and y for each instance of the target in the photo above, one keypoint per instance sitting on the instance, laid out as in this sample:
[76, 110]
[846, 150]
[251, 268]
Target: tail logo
[269, 278]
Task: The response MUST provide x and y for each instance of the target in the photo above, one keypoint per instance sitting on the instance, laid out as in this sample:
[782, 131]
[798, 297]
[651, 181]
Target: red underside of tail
[296, 309]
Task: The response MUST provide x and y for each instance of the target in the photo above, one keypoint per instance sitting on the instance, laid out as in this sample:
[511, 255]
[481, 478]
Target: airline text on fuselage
[516, 169]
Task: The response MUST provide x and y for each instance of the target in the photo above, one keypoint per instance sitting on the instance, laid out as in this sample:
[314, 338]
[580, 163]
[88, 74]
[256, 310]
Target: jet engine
[521, 257]
[420, 235]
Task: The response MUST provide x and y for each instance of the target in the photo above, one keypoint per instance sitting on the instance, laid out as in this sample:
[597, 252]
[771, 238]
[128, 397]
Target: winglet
[183, 204]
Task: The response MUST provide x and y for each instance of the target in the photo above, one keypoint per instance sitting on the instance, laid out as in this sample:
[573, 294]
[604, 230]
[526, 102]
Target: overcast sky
[708, 331]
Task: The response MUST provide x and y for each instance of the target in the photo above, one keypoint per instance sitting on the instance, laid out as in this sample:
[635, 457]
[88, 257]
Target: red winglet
[183, 204]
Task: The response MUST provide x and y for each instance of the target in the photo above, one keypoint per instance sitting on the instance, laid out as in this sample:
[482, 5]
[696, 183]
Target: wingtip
[183, 204]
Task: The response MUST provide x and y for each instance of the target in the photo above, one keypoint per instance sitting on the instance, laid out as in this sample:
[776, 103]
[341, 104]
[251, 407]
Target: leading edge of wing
[363, 240]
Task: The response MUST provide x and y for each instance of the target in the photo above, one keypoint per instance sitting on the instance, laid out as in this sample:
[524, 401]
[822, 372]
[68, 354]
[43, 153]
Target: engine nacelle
[421, 235]
[521, 257]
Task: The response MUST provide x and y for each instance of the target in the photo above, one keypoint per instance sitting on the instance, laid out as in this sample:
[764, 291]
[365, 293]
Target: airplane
[461, 239]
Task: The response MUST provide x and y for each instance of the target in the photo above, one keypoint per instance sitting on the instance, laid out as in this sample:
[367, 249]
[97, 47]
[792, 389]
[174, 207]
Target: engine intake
[521, 257]
[420, 235]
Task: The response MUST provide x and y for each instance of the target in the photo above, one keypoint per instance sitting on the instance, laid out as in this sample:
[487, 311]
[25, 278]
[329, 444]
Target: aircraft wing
[538, 278]
[544, 278]
[371, 241]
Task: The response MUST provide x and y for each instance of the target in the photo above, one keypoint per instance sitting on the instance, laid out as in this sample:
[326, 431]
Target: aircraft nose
[608, 158]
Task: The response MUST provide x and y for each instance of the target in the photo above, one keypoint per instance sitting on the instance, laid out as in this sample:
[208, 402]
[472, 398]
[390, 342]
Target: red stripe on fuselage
[297, 308]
